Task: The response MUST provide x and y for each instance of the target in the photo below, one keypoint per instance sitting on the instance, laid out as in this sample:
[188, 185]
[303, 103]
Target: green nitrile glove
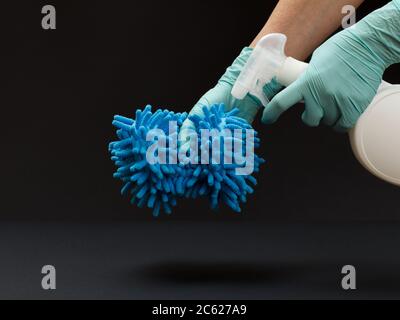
[345, 72]
[221, 93]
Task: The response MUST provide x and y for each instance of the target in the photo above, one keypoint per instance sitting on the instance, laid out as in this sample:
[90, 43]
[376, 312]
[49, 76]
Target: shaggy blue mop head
[159, 185]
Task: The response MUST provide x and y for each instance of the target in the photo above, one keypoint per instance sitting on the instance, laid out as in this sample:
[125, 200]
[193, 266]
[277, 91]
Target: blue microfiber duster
[159, 185]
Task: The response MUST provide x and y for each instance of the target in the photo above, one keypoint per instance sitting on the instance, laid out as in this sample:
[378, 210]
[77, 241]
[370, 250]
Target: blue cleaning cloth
[159, 185]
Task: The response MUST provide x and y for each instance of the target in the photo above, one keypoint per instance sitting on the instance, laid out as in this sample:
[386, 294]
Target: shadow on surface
[220, 272]
[373, 280]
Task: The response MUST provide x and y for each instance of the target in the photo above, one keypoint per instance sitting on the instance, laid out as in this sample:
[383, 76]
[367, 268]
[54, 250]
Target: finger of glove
[282, 102]
[188, 125]
[351, 111]
[331, 115]
[248, 108]
[312, 114]
[272, 88]
[340, 128]
[343, 125]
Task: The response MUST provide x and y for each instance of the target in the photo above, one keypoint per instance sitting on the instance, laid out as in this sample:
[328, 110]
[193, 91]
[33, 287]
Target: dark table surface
[199, 260]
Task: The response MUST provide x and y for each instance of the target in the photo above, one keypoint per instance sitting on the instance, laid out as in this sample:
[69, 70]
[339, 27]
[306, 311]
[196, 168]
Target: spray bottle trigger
[258, 92]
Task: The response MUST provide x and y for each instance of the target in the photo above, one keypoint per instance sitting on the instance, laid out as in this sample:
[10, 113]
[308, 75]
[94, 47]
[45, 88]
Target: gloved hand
[345, 72]
[221, 93]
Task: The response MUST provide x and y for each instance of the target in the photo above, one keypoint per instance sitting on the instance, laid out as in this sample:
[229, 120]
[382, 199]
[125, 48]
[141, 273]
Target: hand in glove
[345, 72]
[221, 93]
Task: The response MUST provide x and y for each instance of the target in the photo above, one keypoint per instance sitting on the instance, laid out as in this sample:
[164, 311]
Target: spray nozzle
[268, 60]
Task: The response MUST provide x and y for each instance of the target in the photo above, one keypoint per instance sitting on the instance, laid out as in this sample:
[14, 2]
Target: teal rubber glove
[344, 73]
[221, 93]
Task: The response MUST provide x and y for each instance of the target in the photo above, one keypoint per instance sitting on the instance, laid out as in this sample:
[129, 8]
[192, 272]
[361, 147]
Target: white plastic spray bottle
[376, 137]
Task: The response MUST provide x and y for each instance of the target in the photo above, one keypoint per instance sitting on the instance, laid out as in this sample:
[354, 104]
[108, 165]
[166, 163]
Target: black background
[61, 89]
